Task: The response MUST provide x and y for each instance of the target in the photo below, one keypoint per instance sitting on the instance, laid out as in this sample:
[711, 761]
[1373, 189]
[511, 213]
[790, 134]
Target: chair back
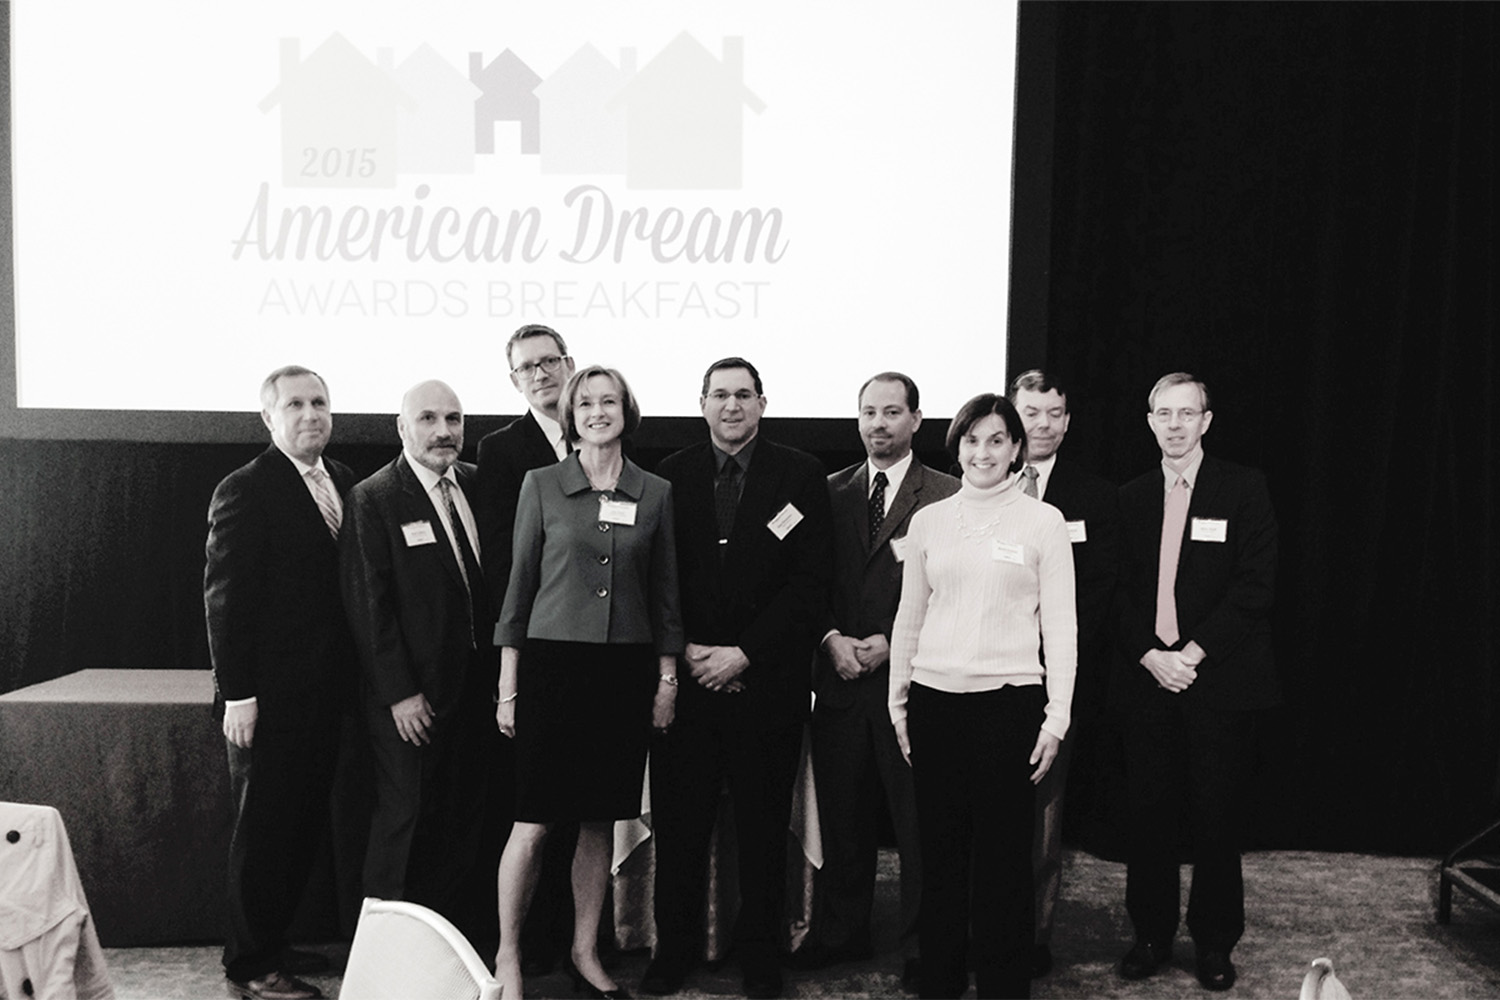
[404, 951]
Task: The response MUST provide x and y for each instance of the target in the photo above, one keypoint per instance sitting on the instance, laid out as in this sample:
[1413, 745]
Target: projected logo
[676, 122]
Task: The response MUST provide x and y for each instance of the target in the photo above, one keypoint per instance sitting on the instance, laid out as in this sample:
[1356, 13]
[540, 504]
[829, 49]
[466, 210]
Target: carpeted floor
[1374, 916]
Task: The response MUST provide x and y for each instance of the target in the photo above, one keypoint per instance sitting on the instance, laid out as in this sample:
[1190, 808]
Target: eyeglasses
[550, 364]
[1184, 415]
[741, 396]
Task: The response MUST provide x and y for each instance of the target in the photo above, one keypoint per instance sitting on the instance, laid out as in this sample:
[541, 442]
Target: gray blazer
[578, 577]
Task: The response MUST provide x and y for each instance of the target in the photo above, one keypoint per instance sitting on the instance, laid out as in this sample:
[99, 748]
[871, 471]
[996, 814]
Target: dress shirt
[740, 458]
[1043, 474]
[553, 432]
[429, 481]
[1188, 472]
[893, 477]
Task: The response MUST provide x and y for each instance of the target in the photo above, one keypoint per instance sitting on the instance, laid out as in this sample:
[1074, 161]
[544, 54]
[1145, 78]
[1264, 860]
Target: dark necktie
[726, 498]
[469, 563]
[1028, 481]
[877, 506]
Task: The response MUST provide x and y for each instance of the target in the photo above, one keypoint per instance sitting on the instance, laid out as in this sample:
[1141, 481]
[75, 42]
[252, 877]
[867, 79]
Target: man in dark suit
[1196, 585]
[283, 660]
[752, 523]
[854, 749]
[1091, 507]
[539, 368]
[419, 609]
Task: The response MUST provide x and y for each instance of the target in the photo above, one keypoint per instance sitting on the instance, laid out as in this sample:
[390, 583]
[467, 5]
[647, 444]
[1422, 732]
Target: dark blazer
[765, 595]
[276, 625]
[408, 607]
[505, 456]
[1224, 589]
[1087, 498]
[867, 578]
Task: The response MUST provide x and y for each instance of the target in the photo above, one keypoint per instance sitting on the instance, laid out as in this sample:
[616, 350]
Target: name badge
[1210, 529]
[782, 524]
[418, 533]
[1010, 552]
[1078, 532]
[617, 511]
[898, 548]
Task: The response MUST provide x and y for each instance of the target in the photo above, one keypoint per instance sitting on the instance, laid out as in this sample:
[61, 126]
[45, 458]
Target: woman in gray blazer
[589, 636]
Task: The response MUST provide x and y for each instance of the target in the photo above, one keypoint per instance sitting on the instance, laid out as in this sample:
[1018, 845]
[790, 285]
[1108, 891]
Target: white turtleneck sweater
[987, 583]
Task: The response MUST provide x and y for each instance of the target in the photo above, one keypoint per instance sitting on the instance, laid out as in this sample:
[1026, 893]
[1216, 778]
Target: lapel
[902, 504]
[418, 505]
[855, 496]
[308, 519]
[538, 448]
[762, 479]
[1205, 491]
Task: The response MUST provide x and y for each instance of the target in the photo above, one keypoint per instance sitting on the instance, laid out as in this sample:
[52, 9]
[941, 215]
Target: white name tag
[1007, 552]
[418, 533]
[782, 524]
[617, 511]
[1210, 529]
[1078, 531]
[898, 548]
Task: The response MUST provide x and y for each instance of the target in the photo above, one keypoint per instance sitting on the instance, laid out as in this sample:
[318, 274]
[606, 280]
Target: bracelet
[670, 679]
[508, 698]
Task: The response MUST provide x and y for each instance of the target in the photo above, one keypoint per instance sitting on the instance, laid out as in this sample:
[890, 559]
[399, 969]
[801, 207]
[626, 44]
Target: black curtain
[1297, 203]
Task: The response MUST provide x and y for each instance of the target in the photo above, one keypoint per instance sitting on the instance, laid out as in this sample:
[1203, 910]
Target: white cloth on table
[46, 933]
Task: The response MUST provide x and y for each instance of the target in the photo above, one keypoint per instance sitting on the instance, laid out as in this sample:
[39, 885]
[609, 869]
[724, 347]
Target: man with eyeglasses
[1197, 579]
[753, 554]
[539, 369]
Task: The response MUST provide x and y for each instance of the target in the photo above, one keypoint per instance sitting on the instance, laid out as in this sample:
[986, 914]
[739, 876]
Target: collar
[893, 475]
[740, 458]
[1186, 469]
[551, 430]
[1043, 473]
[302, 467]
[574, 480]
[426, 476]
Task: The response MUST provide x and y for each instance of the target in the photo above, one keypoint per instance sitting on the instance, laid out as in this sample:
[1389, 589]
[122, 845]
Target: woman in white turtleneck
[987, 585]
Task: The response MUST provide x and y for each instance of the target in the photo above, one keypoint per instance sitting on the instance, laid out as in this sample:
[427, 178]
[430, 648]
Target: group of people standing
[687, 616]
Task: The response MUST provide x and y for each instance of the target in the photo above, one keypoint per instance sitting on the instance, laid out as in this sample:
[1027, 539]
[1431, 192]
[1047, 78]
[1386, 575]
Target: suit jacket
[1224, 588]
[866, 577]
[505, 456]
[276, 625]
[1091, 506]
[408, 606]
[765, 595]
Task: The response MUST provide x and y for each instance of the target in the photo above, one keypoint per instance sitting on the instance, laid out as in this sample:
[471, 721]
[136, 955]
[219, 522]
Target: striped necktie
[327, 506]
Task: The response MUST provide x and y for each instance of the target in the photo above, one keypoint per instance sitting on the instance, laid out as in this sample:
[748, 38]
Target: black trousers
[279, 787]
[1187, 770]
[689, 766]
[975, 807]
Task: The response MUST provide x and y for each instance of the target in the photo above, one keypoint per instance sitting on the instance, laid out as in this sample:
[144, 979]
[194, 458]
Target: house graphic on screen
[685, 117]
[437, 135]
[585, 135]
[506, 86]
[338, 117]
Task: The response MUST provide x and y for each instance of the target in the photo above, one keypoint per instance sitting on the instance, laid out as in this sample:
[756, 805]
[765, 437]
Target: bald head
[431, 425]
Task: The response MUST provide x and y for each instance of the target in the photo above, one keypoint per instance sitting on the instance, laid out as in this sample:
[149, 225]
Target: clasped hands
[854, 658]
[1174, 670]
[716, 668]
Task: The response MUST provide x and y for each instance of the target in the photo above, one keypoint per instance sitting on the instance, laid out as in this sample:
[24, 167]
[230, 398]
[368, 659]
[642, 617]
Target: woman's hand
[664, 707]
[902, 740]
[1043, 754]
[505, 718]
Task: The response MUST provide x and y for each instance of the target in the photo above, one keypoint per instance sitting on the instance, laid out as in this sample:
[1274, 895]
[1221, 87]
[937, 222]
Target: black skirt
[583, 725]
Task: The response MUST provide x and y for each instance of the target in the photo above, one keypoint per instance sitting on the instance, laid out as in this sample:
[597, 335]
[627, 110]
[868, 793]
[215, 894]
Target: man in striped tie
[283, 663]
[1197, 578]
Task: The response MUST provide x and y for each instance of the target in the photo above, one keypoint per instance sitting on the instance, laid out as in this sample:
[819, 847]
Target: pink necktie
[324, 500]
[1174, 519]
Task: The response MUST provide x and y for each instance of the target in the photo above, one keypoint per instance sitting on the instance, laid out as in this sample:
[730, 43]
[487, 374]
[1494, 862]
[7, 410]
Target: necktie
[468, 563]
[1174, 519]
[324, 498]
[877, 505]
[1028, 481]
[726, 498]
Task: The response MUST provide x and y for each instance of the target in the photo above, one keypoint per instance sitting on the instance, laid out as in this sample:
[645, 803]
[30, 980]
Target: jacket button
[602, 592]
[603, 525]
[604, 560]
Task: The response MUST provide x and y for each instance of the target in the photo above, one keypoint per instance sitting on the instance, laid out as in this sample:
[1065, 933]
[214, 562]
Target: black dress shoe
[665, 975]
[582, 987]
[296, 962]
[1215, 970]
[762, 979]
[1041, 961]
[911, 975]
[274, 986]
[1144, 959]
